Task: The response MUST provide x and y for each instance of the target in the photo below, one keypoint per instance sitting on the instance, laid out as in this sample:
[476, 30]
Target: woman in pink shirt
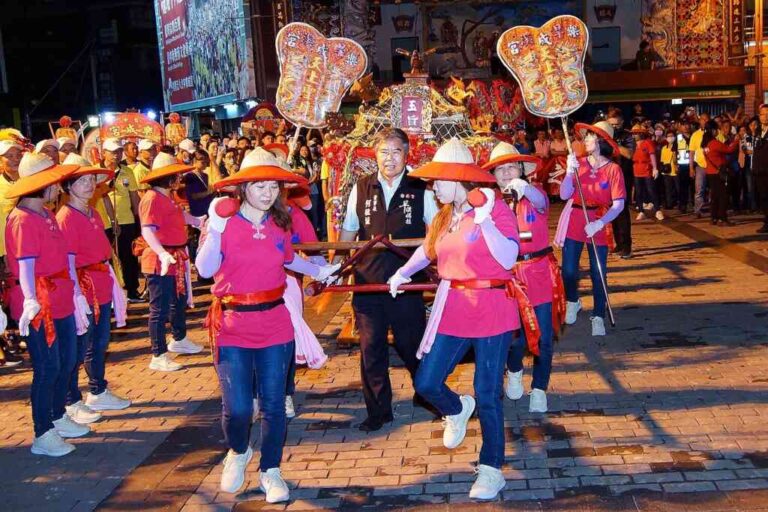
[536, 268]
[250, 327]
[89, 247]
[475, 305]
[602, 184]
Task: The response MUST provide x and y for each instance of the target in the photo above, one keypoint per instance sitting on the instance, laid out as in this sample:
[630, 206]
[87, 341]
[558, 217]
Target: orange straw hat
[602, 129]
[165, 165]
[36, 172]
[453, 162]
[506, 153]
[260, 165]
[87, 167]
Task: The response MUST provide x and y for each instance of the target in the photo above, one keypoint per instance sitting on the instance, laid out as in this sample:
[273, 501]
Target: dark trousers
[670, 191]
[622, 224]
[374, 314]
[645, 192]
[92, 350]
[734, 188]
[683, 187]
[761, 192]
[164, 305]
[719, 197]
[51, 370]
[129, 262]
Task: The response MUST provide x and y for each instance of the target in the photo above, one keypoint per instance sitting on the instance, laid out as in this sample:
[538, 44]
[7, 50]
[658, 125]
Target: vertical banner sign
[175, 57]
[737, 23]
[281, 13]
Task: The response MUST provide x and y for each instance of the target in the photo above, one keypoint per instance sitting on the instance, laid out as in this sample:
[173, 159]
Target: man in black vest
[390, 203]
[622, 225]
[760, 166]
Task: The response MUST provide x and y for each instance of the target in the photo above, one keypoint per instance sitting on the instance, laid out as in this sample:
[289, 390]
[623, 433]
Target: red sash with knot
[85, 279]
[515, 290]
[600, 210]
[558, 294]
[216, 311]
[180, 255]
[44, 285]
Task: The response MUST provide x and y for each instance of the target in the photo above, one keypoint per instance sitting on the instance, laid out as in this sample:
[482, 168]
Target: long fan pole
[586, 218]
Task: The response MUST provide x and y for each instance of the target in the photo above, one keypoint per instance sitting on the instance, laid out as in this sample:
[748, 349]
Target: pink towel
[119, 302]
[430, 333]
[562, 224]
[308, 349]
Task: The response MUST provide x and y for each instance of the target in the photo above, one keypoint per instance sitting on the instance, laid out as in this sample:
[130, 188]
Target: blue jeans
[490, 357]
[571, 256]
[290, 381]
[51, 369]
[92, 350]
[542, 364]
[701, 189]
[237, 368]
[645, 192]
[164, 304]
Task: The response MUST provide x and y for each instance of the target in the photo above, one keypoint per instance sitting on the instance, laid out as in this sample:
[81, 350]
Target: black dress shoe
[372, 424]
[420, 401]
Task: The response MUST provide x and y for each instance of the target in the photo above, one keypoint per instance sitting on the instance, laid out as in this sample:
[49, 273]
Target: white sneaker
[456, 425]
[598, 326]
[184, 346]
[647, 206]
[290, 410]
[256, 410]
[640, 216]
[65, 427]
[81, 413]
[571, 310]
[538, 401]
[490, 481]
[659, 215]
[106, 401]
[51, 444]
[233, 475]
[514, 387]
[163, 363]
[273, 485]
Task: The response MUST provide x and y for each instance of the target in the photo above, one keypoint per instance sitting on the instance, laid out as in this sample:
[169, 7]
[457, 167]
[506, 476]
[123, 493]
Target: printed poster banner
[206, 57]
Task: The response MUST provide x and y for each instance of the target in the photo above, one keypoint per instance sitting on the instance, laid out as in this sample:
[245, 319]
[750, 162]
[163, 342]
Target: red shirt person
[44, 299]
[164, 260]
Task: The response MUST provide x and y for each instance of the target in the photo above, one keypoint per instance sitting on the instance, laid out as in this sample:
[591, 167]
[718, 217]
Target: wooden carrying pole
[586, 219]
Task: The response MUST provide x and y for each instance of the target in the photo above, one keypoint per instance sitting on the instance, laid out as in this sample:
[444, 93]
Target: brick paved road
[668, 412]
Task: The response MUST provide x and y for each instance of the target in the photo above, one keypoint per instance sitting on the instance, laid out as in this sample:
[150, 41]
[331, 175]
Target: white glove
[655, 173]
[484, 212]
[81, 313]
[518, 185]
[326, 271]
[166, 260]
[200, 222]
[30, 311]
[215, 221]
[593, 227]
[3, 321]
[572, 164]
[394, 283]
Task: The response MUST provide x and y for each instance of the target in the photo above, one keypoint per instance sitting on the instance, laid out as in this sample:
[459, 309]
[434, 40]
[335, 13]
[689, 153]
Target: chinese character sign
[175, 51]
[548, 63]
[411, 118]
[315, 73]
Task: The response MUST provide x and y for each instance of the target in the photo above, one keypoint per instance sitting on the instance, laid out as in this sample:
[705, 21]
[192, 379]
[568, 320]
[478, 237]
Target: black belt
[535, 254]
[264, 306]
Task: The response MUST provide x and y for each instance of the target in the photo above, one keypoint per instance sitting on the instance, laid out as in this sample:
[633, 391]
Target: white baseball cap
[66, 140]
[146, 145]
[187, 145]
[46, 142]
[7, 145]
[111, 144]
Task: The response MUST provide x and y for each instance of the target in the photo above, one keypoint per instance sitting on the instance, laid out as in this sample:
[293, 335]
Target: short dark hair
[202, 156]
[244, 138]
[605, 147]
[268, 134]
[392, 133]
[167, 150]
